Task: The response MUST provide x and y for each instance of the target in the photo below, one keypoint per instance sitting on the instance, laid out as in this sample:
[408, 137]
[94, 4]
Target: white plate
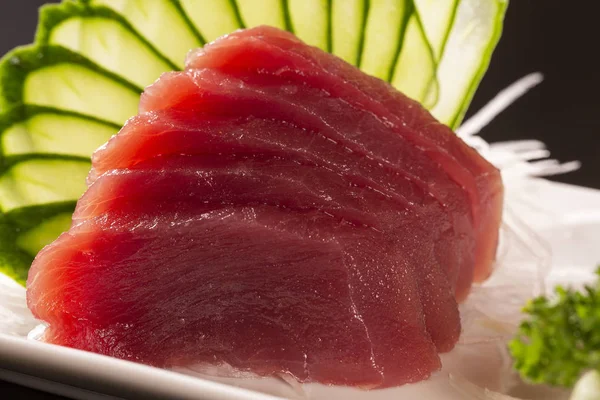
[566, 218]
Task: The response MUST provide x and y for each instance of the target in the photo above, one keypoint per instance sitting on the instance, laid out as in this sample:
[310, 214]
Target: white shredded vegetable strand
[517, 159]
[519, 145]
[498, 104]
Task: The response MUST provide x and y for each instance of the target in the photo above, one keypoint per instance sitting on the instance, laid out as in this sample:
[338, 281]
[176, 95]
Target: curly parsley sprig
[560, 340]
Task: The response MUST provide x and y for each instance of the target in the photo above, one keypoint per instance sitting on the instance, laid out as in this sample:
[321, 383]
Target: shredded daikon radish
[516, 159]
[498, 104]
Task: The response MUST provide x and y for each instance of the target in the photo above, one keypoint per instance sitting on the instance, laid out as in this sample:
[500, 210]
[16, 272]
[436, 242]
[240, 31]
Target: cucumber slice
[20, 234]
[38, 130]
[348, 18]
[13, 262]
[55, 77]
[414, 74]
[386, 22]
[437, 17]
[104, 37]
[42, 181]
[262, 12]
[35, 239]
[475, 32]
[310, 21]
[162, 23]
[213, 18]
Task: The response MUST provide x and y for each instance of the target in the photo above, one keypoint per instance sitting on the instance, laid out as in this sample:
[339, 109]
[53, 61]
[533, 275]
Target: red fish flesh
[275, 209]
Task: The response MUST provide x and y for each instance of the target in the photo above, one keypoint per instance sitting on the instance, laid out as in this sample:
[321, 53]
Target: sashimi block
[274, 209]
[292, 61]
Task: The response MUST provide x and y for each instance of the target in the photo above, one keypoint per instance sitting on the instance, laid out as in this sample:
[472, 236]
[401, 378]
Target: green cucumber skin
[18, 63]
[51, 15]
[238, 14]
[361, 44]
[410, 9]
[433, 83]
[448, 29]
[329, 26]
[286, 16]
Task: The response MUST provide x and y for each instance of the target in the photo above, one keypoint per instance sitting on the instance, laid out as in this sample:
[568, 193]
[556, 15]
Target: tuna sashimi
[274, 209]
[266, 50]
[354, 140]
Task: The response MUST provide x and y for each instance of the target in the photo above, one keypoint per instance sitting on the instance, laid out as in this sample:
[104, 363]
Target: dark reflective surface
[564, 111]
[15, 392]
[551, 37]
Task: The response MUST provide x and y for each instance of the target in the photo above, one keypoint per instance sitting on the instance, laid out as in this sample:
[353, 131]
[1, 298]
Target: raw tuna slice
[295, 223]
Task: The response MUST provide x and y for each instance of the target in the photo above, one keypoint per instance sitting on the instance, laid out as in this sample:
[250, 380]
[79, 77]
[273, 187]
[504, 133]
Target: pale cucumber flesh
[262, 12]
[212, 18]
[309, 20]
[42, 181]
[414, 74]
[75, 88]
[383, 37]
[475, 31]
[49, 133]
[436, 17]
[112, 46]
[35, 239]
[161, 23]
[347, 26]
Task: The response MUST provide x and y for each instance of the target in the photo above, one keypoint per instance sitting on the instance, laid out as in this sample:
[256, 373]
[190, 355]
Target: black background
[558, 38]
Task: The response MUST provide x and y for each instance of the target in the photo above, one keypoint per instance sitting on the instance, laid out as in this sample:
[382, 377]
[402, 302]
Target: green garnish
[561, 338]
